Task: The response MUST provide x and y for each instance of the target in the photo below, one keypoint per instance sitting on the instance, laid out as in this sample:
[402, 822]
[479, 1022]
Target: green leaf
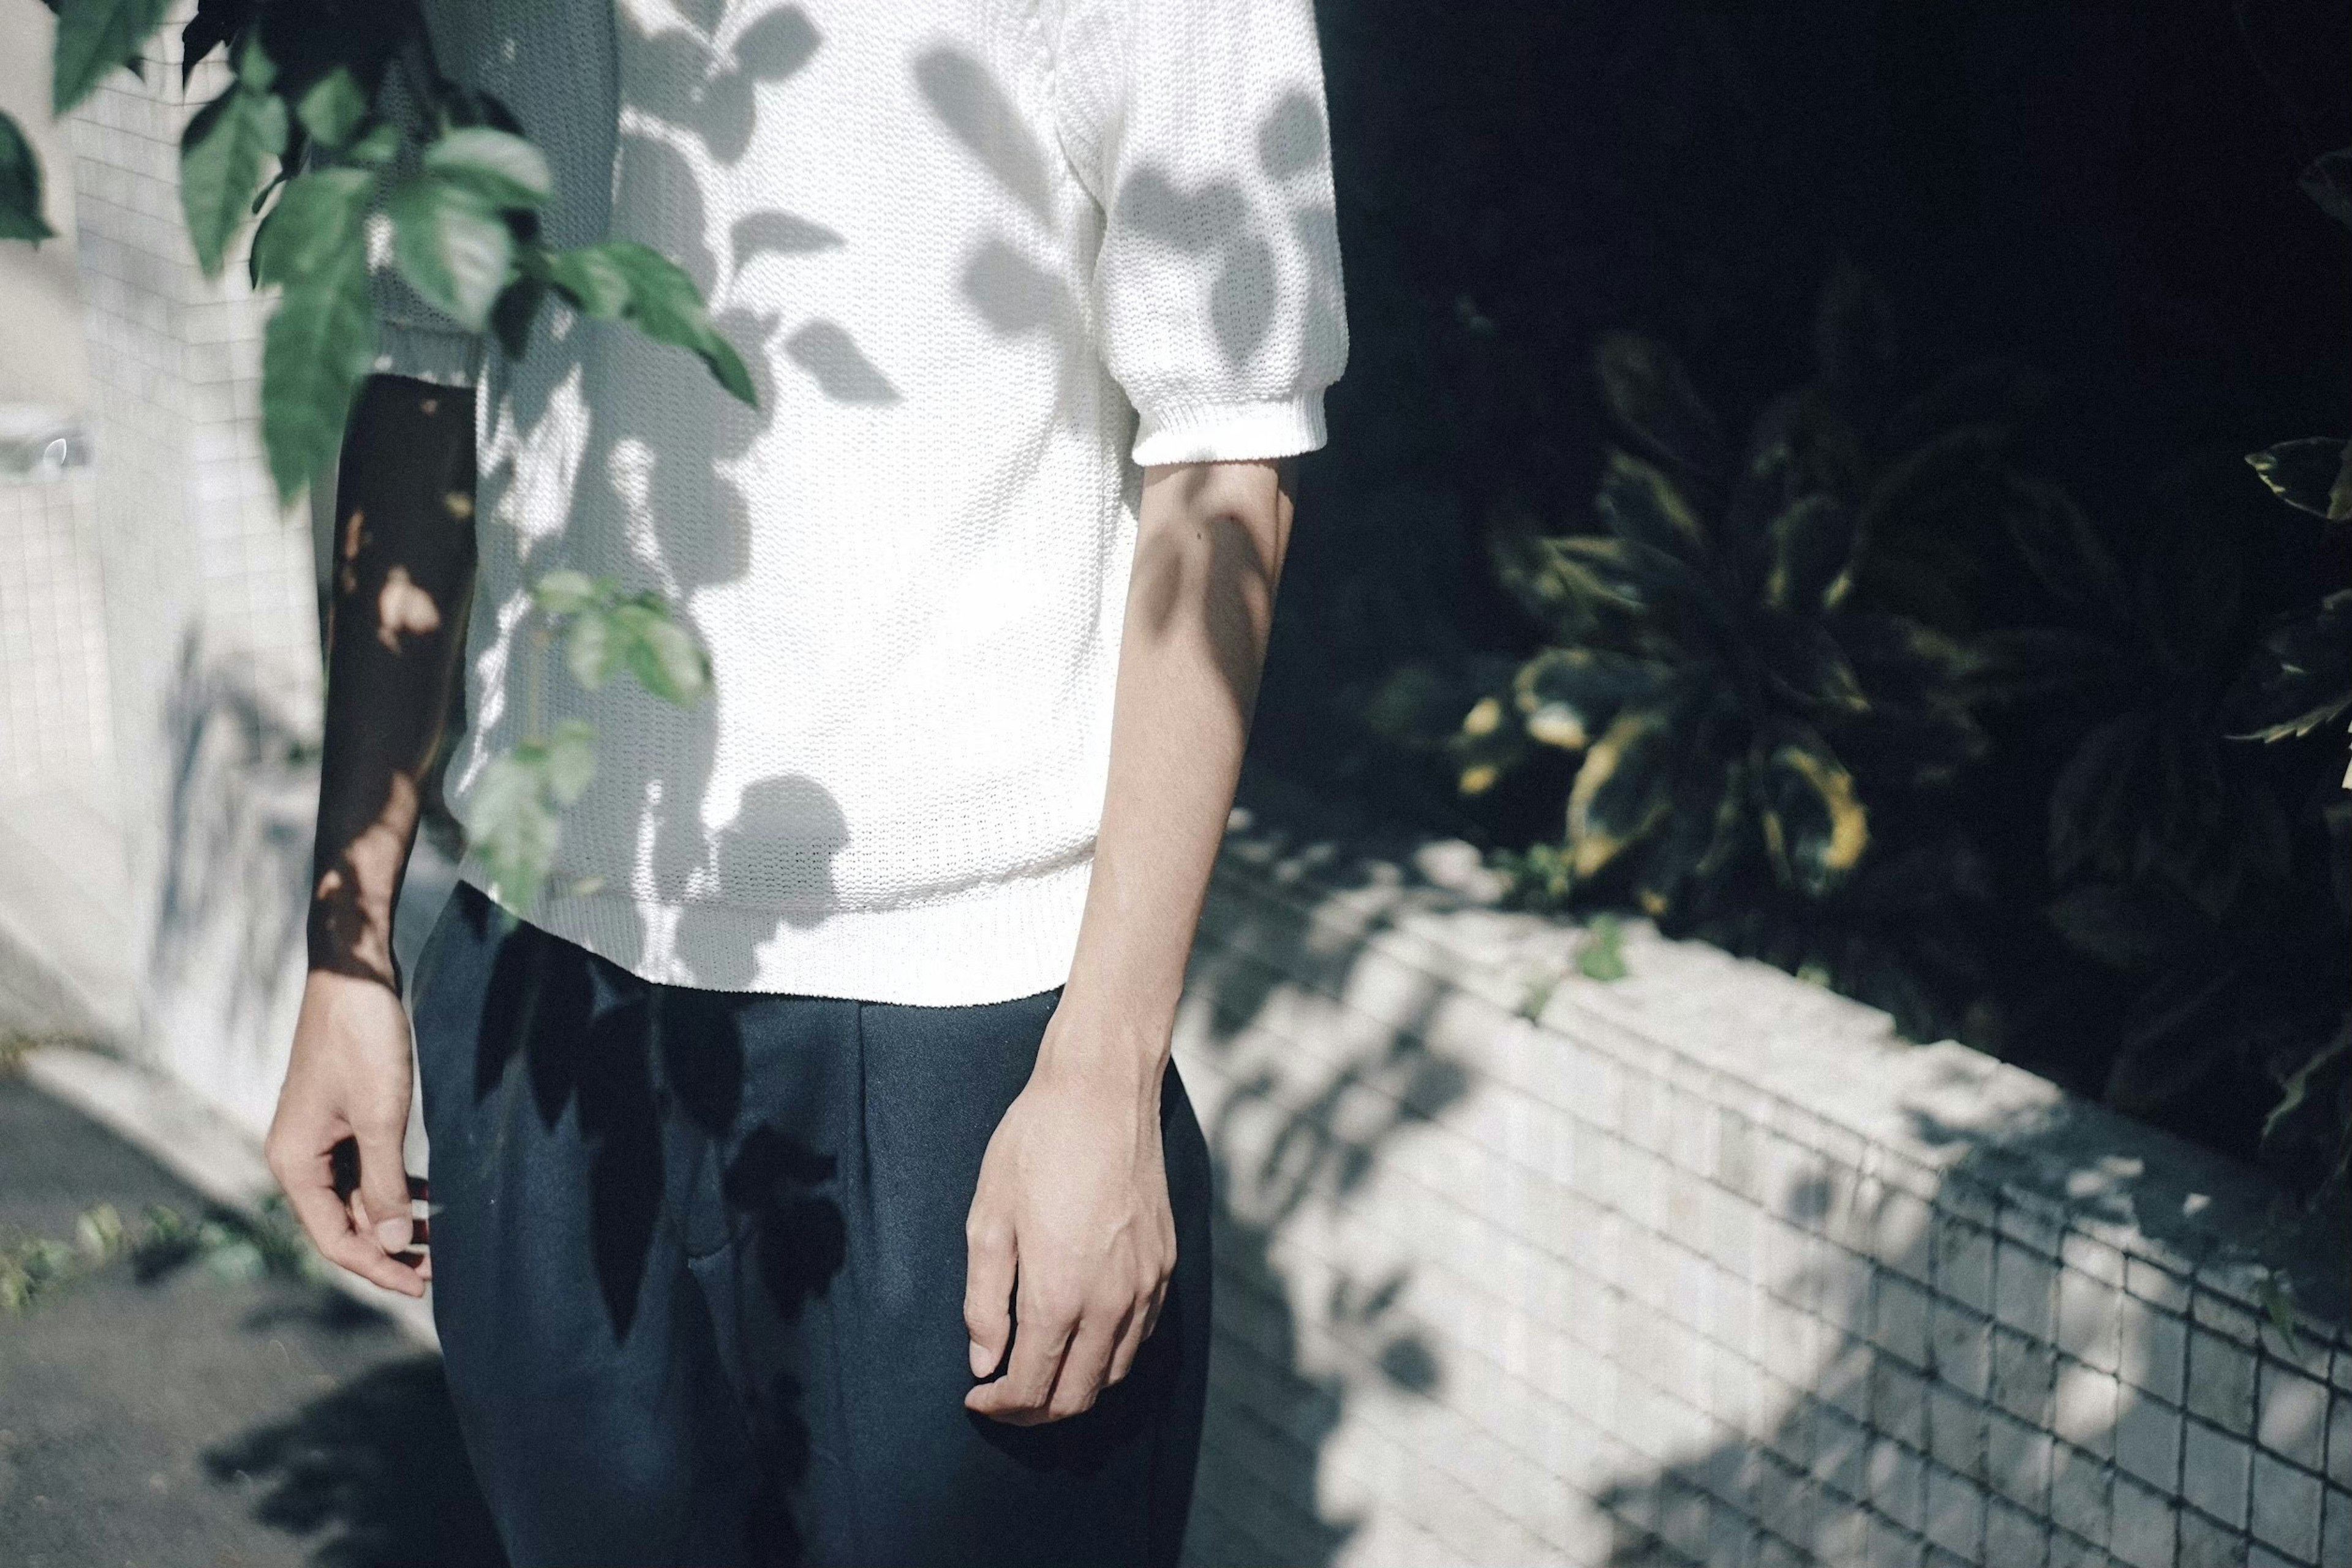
[222, 155]
[1815, 828]
[590, 278]
[322, 340]
[20, 186]
[1483, 747]
[1568, 696]
[2313, 476]
[452, 247]
[592, 651]
[571, 763]
[504, 170]
[380, 146]
[316, 349]
[566, 592]
[621, 279]
[661, 654]
[318, 223]
[1805, 664]
[513, 828]
[1601, 955]
[2303, 677]
[255, 68]
[1812, 542]
[2296, 1086]
[94, 37]
[332, 108]
[1643, 508]
[1647, 389]
[1622, 790]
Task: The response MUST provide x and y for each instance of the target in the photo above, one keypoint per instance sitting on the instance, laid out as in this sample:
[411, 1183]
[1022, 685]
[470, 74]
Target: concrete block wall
[1706, 1267]
[211, 632]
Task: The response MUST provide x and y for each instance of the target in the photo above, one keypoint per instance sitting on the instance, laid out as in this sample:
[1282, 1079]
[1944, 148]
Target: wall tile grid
[54, 733]
[1667, 1303]
[210, 603]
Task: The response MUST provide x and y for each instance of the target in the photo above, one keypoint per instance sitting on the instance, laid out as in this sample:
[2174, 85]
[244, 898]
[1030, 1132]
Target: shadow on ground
[375, 1470]
[167, 1415]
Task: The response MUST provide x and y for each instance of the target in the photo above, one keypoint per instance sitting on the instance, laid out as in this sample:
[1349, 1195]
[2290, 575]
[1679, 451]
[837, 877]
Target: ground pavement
[196, 1420]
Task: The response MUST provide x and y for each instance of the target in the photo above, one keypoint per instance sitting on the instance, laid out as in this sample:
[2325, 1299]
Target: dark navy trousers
[699, 1266]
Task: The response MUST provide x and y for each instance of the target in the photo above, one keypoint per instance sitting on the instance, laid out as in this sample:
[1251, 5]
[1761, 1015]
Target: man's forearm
[402, 577]
[1199, 607]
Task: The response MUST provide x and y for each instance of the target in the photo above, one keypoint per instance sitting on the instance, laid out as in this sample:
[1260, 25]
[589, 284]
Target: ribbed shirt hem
[1008, 939]
[1234, 432]
[426, 353]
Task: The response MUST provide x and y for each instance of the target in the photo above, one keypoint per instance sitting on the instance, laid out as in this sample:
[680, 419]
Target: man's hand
[349, 1079]
[1071, 1230]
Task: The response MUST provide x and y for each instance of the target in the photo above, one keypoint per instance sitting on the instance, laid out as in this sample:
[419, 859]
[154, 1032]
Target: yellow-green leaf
[2314, 476]
[1621, 791]
[1814, 825]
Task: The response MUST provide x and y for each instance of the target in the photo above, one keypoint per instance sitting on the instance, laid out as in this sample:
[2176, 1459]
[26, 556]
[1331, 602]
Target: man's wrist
[1107, 1045]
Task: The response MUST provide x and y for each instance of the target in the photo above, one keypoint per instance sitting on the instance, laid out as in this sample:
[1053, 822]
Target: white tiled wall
[1704, 1268]
[210, 615]
[55, 719]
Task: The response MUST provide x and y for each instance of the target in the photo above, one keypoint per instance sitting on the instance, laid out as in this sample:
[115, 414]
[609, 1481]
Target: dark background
[2105, 192]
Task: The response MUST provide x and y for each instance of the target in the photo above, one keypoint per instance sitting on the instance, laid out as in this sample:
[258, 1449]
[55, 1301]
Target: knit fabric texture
[986, 260]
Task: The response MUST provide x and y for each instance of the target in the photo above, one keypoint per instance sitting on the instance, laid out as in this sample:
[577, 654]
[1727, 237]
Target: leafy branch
[518, 806]
[301, 140]
[234, 1246]
[306, 143]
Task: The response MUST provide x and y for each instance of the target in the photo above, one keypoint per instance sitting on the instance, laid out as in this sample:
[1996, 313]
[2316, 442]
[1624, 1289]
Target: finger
[1084, 1369]
[384, 1186]
[311, 1193]
[989, 1267]
[363, 1254]
[1151, 1312]
[1020, 1396]
[1133, 1330]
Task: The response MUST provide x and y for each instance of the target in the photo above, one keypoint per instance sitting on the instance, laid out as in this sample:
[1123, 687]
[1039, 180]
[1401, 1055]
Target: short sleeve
[1200, 128]
[413, 339]
[555, 69]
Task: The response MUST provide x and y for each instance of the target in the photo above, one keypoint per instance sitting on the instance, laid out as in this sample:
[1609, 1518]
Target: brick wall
[1706, 1267]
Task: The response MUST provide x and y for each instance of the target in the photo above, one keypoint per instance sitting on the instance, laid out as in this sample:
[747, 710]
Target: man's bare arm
[1070, 1229]
[402, 577]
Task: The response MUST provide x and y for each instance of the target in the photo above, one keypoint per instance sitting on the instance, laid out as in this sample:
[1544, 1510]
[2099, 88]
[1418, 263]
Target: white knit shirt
[986, 260]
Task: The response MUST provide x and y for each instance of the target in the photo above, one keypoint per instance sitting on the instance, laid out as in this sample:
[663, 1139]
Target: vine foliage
[302, 144]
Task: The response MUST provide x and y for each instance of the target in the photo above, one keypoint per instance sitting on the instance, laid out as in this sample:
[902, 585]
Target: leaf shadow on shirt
[1215, 221]
[656, 502]
[712, 91]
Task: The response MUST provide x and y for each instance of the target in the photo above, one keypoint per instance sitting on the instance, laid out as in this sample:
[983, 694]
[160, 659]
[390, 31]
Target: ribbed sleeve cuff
[1234, 432]
[427, 354]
